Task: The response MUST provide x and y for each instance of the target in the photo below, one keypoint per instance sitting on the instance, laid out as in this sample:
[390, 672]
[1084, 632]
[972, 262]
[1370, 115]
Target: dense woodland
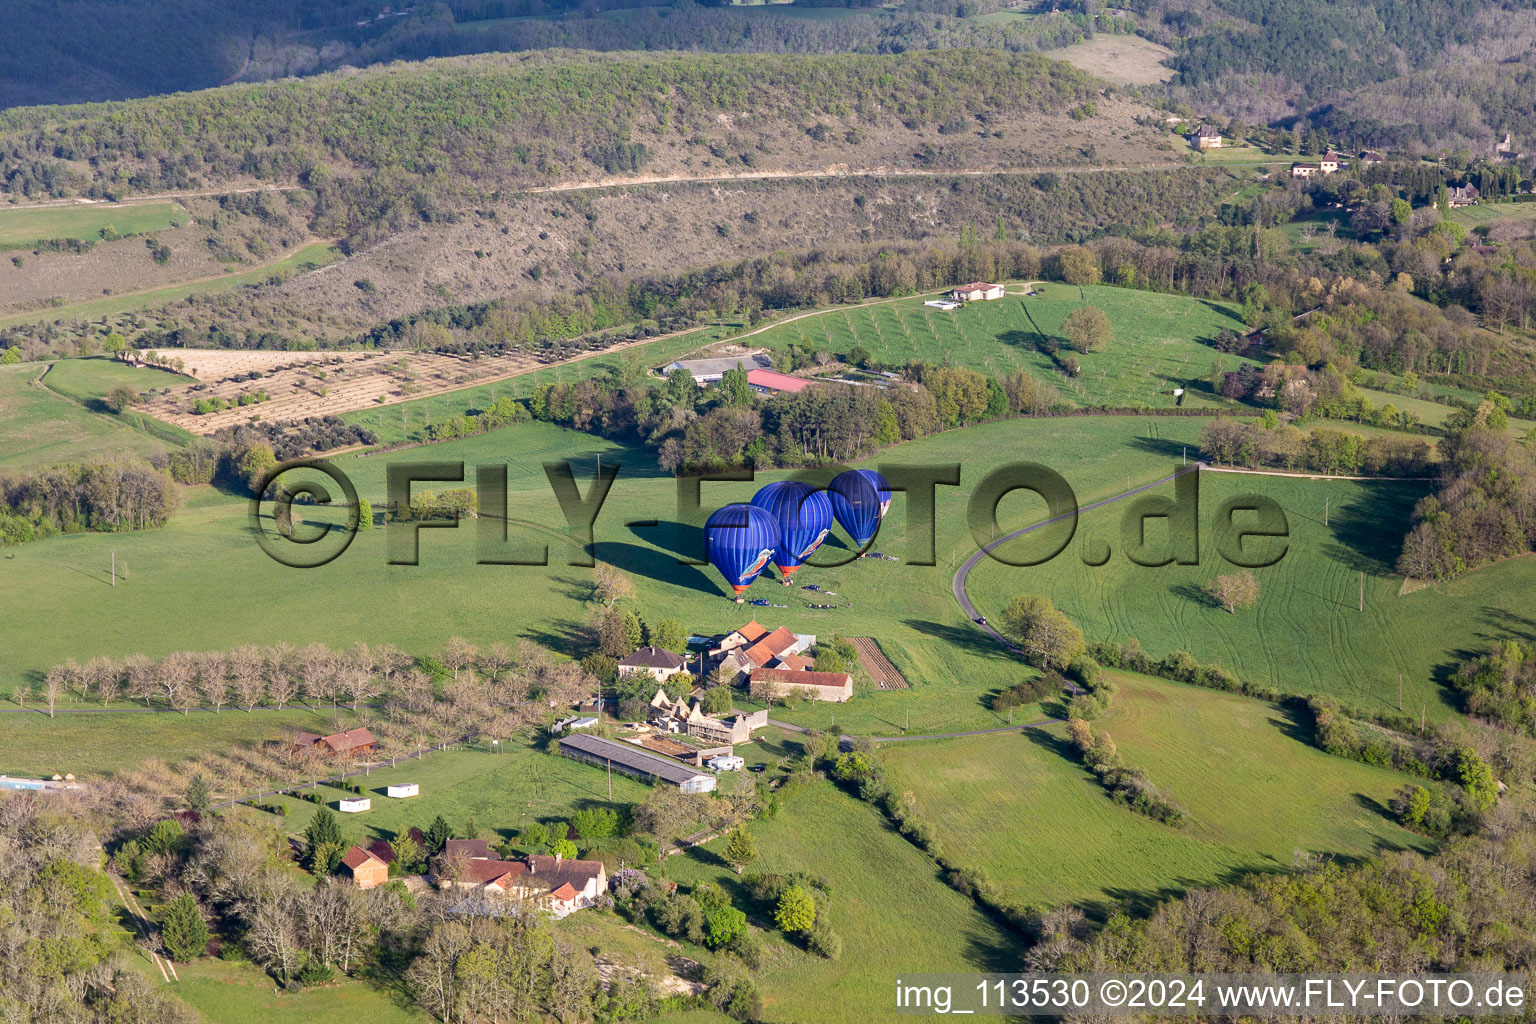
[488, 122]
[74, 498]
[1467, 907]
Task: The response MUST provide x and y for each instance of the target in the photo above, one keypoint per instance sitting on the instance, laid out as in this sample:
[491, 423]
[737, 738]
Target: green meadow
[1306, 634]
[88, 745]
[207, 559]
[1256, 794]
[501, 792]
[889, 906]
[23, 228]
[46, 421]
[241, 993]
[1161, 342]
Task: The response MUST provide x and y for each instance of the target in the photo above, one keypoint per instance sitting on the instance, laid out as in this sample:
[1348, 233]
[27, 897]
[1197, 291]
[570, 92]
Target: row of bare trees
[249, 676]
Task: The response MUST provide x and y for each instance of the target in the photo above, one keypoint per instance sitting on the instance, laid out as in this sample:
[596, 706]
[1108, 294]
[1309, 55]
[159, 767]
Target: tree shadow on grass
[1362, 544]
[969, 639]
[1191, 592]
[565, 636]
[1224, 311]
[1294, 723]
[1163, 447]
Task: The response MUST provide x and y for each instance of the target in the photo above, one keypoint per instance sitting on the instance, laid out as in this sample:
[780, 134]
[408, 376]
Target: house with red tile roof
[350, 742]
[557, 884]
[365, 869]
[779, 682]
[978, 291]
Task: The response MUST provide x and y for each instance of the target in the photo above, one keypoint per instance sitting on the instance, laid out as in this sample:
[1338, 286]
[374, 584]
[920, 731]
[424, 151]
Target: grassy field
[41, 426]
[89, 380]
[1488, 213]
[32, 744]
[890, 908]
[243, 994]
[1161, 342]
[1305, 634]
[1024, 811]
[317, 254]
[23, 228]
[501, 792]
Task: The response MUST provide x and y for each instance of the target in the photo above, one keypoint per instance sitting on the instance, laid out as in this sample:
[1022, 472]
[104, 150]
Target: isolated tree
[1044, 633]
[213, 680]
[740, 849]
[139, 678]
[316, 665]
[183, 932]
[563, 848]
[1088, 329]
[1234, 590]
[612, 633]
[356, 669]
[175, 674]
[595, 823]
[496, 659]
[610, 585]
[106, 677]
[252, 461]
[734, 389]
[120, 398]
[796, 911]
[54, 685]
[634, 630]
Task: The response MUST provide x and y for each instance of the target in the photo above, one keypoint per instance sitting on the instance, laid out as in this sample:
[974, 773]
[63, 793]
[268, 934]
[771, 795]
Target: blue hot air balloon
[804, 515]
[740, 540]
[860, 498]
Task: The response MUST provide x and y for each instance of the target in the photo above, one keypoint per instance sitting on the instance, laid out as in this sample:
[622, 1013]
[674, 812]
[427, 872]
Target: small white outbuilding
[354, 805]
[403, 790]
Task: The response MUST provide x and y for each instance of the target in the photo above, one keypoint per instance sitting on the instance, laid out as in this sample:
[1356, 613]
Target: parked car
[759, 767]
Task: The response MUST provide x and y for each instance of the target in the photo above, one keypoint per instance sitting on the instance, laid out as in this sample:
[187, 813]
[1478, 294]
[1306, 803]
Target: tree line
[74, 498]
[1484, 508]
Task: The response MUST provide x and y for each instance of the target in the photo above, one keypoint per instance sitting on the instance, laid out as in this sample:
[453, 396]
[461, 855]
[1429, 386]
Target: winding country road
[958, 584]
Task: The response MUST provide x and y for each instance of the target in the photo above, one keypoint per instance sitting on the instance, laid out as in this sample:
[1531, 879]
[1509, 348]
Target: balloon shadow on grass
[656, 564]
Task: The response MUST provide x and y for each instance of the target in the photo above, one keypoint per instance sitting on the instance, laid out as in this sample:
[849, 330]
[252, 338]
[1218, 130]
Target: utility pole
[1399, 691]
[1325, 511]
[1362, 591]
[610, 780]
[909, 721]
[1421, 717]
[114, 568]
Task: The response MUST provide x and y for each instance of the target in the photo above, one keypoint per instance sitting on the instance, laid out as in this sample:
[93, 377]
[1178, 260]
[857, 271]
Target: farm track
[877, 172]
